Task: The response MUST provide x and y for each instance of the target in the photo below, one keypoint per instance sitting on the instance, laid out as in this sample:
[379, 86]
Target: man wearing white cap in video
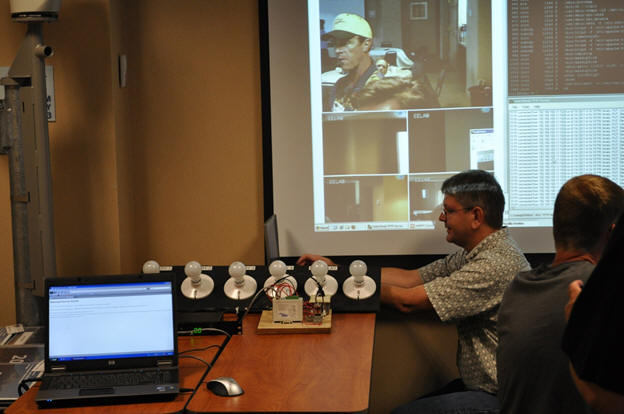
[352, 39]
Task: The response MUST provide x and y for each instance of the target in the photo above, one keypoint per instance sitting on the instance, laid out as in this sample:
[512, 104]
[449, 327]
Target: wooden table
[328, 373]
[296, 372]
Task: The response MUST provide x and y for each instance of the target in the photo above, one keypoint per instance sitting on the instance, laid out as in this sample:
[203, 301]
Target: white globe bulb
[193, 269]
[319, 268]
[357, 268]
[358, 286]
[196, 285]
[277, 269]
[239, 286]
[151, 266]
[237, 270]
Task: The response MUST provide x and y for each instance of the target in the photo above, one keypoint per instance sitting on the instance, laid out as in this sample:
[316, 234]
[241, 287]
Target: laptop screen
[111, 321]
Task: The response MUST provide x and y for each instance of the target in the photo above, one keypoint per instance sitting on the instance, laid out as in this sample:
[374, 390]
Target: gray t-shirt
[466, 288]
[533, 371]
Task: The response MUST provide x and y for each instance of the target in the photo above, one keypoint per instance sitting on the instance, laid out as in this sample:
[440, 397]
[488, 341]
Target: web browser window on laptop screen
[111, 321]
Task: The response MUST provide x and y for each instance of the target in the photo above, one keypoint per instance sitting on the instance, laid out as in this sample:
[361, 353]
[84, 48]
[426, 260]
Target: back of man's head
[473, 188]
[585, 208]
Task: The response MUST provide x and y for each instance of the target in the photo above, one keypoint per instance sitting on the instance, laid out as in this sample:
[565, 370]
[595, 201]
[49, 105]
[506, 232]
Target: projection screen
[531, 91]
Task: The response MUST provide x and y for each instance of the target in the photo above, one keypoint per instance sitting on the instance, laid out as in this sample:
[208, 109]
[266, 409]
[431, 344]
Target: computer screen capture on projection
[531, 91]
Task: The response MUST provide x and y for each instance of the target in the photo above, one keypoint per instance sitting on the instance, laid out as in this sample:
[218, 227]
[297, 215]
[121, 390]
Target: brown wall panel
[194, 92]
[170, 167]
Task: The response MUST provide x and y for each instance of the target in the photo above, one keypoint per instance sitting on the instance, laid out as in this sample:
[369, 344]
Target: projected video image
[403, 94]
[400, 97]
[392, 54]
[366, 199]
[422, 145]
[443, 140]
[425, 196]
[366, 144]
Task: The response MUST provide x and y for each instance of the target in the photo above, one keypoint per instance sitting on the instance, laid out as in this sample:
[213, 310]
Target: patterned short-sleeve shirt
[466, 288]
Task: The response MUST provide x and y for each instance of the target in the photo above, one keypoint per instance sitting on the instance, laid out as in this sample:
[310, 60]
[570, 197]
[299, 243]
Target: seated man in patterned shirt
[464, 288]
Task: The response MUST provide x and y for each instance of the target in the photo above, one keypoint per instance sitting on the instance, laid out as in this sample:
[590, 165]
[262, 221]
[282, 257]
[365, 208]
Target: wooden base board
[267, 326]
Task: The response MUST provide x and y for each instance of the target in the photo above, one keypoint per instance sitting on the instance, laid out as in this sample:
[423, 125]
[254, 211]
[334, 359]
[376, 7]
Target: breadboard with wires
[267, 326]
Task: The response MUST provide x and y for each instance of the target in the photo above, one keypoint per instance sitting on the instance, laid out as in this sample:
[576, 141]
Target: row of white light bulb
[239, 286]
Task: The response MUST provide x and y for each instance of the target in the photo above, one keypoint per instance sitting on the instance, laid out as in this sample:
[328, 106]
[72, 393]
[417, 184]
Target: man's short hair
[473, 188]
[585, 208]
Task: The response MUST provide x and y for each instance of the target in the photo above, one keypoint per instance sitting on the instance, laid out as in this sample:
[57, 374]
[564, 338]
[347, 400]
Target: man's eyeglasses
[446, 211]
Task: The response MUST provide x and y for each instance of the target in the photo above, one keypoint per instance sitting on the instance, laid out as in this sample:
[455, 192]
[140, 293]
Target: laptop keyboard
[105, 379]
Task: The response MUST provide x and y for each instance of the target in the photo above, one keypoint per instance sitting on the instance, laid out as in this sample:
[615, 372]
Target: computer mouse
[224, 386]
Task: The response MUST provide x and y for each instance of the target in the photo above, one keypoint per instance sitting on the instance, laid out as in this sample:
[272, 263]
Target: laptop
[110, 339]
